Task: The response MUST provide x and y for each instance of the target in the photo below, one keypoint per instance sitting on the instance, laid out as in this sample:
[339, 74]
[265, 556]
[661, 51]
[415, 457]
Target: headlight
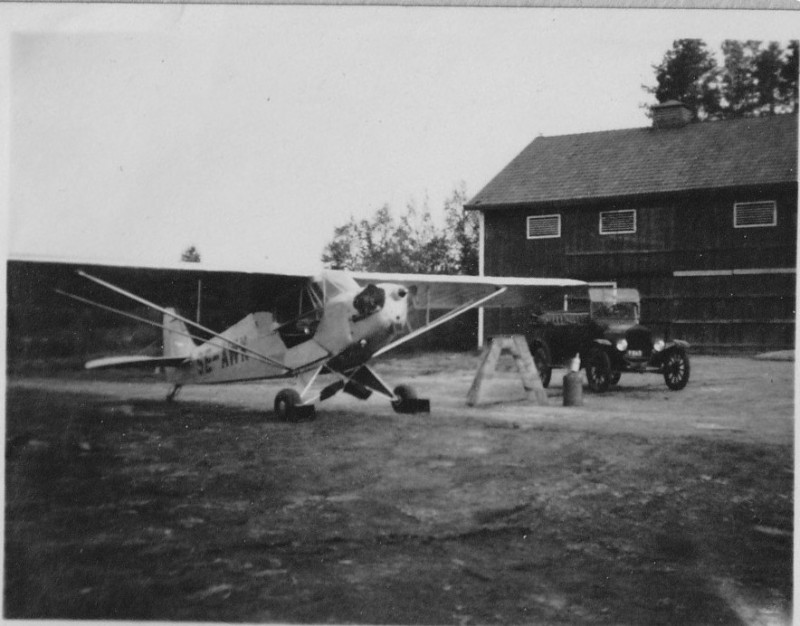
[658, 345]
[622, 345]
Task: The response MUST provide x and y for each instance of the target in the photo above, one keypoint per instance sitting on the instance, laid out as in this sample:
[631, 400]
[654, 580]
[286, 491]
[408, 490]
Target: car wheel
[676, 369]
[615, 376]
[598, 371]
[542, 365]
[285, 403]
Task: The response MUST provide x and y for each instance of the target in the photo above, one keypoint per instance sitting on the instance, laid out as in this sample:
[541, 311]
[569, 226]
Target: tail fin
[177, 341]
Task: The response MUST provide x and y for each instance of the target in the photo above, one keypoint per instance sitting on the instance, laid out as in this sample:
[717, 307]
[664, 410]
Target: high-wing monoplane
[329, 323]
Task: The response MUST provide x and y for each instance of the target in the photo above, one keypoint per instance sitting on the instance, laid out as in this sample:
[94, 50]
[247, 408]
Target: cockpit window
[298, 313]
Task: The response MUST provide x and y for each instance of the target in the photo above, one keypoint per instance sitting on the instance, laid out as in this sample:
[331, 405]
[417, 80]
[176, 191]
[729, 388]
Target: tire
[285, 403]
[542, 362]
[403, 392]
[598, 371]
[676, 369]
[615, 376]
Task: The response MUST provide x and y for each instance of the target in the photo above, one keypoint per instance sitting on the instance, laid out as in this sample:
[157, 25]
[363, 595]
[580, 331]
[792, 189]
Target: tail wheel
[542, 362]
[286, 403]
[173, 393]
[676, 369]
[598, 371]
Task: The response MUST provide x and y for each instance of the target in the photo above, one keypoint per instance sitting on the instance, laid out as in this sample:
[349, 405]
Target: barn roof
[616, 163]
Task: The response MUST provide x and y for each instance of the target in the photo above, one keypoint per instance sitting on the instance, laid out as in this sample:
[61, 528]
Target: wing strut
[441, 320]
[187, 321]
[143, 320]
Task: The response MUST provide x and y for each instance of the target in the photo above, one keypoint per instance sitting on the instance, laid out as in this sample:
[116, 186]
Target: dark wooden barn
[700, 217]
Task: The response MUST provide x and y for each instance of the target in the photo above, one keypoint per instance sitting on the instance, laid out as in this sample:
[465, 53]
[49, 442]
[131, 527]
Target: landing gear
[406, 401]
[288, 407]
[173, 392]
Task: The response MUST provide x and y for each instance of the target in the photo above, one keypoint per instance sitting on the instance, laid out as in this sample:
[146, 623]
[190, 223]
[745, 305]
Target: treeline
[750, 78]
[412, 243]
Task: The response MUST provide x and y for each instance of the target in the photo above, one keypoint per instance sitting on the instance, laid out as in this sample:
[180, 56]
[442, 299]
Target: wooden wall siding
[707, 223]
[691, 233]
[716, 338]
[581, 231]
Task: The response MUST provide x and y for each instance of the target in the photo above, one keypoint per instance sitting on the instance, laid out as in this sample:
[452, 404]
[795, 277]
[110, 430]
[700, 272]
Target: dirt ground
[643, 506]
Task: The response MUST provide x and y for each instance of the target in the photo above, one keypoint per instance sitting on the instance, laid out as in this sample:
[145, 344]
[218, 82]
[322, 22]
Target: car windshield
[618, 311]
[617, 304]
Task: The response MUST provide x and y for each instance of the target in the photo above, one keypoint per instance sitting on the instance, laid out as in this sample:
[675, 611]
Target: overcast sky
[251, 131]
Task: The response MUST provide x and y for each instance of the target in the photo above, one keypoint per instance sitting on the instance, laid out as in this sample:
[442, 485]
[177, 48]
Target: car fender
[676, 343]
[658, 358]
[602, 344]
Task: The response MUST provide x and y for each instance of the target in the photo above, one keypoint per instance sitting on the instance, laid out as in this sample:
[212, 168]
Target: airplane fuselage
[354, 324]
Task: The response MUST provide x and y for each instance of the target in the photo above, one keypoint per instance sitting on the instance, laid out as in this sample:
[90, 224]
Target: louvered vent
[754, 214]
[617, 222]
[544, 226]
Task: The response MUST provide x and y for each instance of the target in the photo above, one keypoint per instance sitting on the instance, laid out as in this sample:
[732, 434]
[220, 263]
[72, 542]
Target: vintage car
[601, 324]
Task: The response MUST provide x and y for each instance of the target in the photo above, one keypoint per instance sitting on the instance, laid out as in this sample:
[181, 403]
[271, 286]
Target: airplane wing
[135, 361]
[229, 293]
[459, 294]
[307, 270]
[433, 291]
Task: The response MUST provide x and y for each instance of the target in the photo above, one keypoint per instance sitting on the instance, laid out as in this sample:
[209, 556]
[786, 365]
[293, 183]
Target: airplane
[332, 322]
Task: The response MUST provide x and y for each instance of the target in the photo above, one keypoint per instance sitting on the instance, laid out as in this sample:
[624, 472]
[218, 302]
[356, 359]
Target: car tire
[615, 376]
[542, 361]
[598, 370]
[676, 368]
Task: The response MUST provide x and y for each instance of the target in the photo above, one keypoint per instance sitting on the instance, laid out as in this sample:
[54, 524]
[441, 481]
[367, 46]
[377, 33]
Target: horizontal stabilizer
[135, 361]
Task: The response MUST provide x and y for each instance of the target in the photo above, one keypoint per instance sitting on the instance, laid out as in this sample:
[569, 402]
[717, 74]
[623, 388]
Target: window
[617, 222]
[544, 226]
[754, 214]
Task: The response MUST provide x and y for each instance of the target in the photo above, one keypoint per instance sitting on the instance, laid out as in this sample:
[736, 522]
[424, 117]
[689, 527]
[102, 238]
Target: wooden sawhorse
[518, 347]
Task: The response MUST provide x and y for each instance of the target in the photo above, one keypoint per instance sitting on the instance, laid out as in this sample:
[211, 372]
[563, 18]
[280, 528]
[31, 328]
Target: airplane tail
[177, 341]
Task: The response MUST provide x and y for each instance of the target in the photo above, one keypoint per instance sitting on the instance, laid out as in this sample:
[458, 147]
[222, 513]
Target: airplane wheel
[403, 392]
[286, 405]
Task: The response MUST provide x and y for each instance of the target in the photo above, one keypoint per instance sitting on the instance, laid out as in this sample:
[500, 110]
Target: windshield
[612, 303]
[618, 311]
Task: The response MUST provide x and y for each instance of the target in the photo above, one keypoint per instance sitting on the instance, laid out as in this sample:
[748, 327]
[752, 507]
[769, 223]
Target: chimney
[671, 114]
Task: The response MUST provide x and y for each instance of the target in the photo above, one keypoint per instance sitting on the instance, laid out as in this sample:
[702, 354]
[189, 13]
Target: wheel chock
[304, 412]
[412, 405]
